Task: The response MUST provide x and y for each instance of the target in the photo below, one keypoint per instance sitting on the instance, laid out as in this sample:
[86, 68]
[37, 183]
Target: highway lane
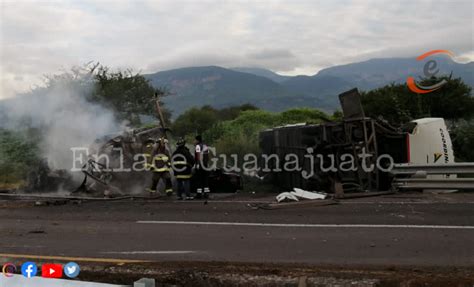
[392, 232]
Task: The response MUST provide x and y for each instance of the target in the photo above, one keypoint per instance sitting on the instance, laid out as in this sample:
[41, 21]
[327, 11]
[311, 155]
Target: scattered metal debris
[37, 231]
[298, 204]
[363, 194]
[43, 199]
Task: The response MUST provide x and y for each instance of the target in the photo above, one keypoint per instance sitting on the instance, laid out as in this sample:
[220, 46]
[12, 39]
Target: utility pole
[160, 115]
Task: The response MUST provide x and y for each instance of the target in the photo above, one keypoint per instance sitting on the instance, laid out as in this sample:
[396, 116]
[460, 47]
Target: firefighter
[147, 151]
[201, 156]
[160, 166]
[182, 163]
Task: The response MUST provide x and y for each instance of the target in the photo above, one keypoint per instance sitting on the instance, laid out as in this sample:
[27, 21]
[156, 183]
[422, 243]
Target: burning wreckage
[115, 166]
[382, 157]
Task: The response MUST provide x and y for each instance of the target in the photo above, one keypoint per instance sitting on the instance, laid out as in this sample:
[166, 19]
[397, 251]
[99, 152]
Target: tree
[463, 141]
[231, 113]
[195, 121]
[397, 104]
[129, 95]
[198, 120]
[452, 101]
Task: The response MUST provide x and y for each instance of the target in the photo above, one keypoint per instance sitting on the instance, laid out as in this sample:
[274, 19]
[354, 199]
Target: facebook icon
[29, 269]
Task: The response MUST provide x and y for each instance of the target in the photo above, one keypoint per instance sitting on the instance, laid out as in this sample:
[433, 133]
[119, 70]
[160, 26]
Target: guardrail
[427, 183]
[449, 168]
[417, 176]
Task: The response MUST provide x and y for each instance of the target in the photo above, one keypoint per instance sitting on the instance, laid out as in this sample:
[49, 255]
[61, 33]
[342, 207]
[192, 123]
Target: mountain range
[222, 87]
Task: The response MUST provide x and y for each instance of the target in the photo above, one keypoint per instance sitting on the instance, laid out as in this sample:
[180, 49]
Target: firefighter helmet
[181, 142]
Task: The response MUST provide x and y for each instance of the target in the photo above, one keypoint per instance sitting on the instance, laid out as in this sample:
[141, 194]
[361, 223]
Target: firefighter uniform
[182, 164]
[202, 160]
[147, 152]
[160, 166]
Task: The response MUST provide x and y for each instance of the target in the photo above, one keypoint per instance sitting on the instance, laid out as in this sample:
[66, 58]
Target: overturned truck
[355, 154]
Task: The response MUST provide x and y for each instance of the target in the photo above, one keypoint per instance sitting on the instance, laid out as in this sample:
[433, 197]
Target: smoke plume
[62, 111]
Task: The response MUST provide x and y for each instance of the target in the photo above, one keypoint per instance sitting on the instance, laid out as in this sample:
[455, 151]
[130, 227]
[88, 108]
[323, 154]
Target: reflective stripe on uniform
[155, 169]
[163, 158]
[183, 176]
[149, 166]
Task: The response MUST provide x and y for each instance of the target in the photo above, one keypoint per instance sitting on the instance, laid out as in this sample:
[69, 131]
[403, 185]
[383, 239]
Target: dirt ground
[236, 274]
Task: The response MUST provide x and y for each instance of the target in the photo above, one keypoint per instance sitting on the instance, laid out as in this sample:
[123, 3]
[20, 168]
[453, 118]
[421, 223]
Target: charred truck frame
[356, 134]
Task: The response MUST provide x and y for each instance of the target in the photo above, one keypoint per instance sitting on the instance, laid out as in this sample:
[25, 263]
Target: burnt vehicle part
[354, 135]
[221, 181]
[121, 151]
[97, 179]
[43, 179]
[114, 171]
[116, 164]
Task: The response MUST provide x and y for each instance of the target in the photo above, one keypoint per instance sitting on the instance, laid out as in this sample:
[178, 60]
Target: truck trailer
[373, 146]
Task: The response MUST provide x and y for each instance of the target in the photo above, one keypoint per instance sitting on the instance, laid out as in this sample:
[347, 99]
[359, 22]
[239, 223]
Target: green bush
[18, 152]
[241, 135]
[463, 141]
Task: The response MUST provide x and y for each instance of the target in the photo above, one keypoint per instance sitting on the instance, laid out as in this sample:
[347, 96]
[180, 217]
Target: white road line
[256, 224]
[404, 202]
[150, 252]
[346, 201]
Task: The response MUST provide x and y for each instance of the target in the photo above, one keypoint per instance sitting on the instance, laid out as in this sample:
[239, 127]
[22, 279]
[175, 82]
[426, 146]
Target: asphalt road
[415, 230]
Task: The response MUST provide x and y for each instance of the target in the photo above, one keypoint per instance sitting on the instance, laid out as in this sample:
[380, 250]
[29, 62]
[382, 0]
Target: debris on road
[300, 193]
[363, 194]
[37, 231]
[308, 194]
[306, 203]
[293, 204]
[51, 202]
[286, 196]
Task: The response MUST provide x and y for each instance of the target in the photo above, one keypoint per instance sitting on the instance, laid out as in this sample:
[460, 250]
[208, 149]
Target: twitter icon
[71, 270]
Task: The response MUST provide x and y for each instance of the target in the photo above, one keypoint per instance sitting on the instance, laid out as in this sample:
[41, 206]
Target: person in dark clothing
[201, 156]
[182, 163]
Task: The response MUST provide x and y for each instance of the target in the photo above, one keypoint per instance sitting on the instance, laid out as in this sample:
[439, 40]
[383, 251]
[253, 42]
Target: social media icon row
[30, 269]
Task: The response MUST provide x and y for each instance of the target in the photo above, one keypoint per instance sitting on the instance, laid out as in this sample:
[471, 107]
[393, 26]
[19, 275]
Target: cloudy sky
[290, 37]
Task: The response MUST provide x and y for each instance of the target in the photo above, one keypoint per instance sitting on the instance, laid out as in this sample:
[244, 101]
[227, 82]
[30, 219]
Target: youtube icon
[52, 271]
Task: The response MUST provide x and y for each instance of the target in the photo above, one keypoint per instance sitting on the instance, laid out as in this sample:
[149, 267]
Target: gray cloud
[286, 36]
[271, 54]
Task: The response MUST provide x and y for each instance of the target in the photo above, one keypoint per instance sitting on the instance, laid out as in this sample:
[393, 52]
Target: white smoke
[62, 111]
